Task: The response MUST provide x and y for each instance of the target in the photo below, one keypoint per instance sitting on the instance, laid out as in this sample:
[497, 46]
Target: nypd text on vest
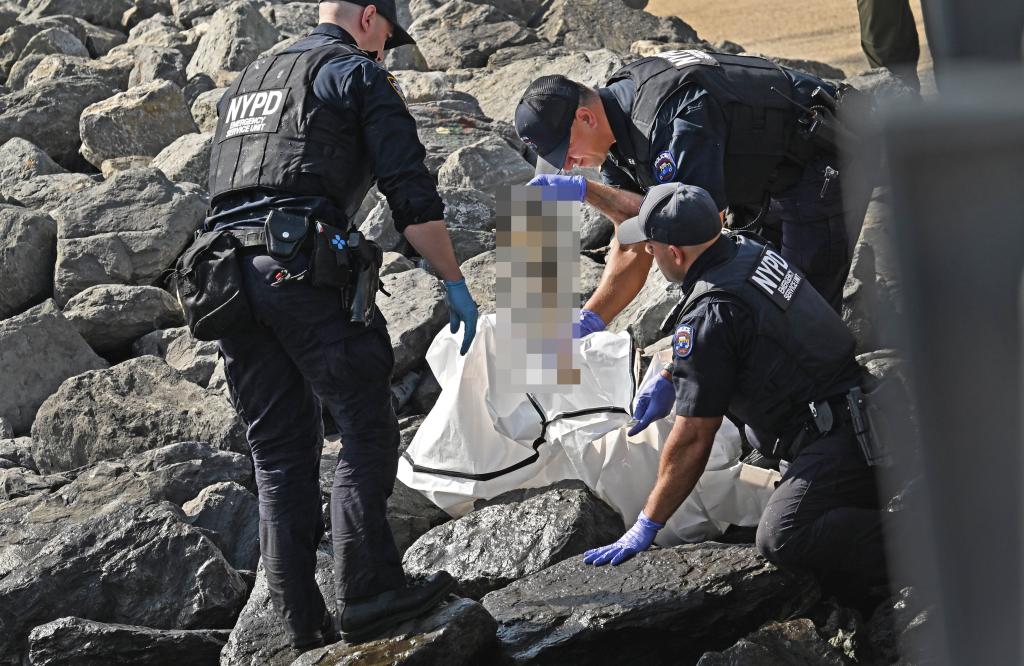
[254, 112]
[774, 276]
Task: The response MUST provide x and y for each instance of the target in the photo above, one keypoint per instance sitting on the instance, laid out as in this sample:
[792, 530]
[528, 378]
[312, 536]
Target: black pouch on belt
[331, 265]
[285, 233]
[207, 281]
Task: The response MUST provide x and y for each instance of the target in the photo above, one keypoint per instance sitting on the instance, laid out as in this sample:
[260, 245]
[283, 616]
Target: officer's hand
[590, 322]
[566, 188]
[638, 539]
[461, 309]
[654, 401]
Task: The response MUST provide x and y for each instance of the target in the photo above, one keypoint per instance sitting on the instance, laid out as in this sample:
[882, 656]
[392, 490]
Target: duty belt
[250, 237]
[826, 416]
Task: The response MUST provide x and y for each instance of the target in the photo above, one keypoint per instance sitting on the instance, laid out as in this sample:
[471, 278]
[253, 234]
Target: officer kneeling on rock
[301, 137]
[759, 137]
[756, 340]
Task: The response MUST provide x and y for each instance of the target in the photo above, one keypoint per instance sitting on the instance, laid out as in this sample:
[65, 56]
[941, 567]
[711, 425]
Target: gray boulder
[469, 243]
[28, 252]
[109, 316]
[590, 277]
[596, 230]
[231, 516]
[135, 406]
[479, 272]
[490, 165]
[464, 34]
[691, 598]
[157, 342]
[415, 312]
[21, 160]
[160, 31]
[186, 11]
[236, 35]
[54, 40]
[21, 482]
[292, 19]
[204, 109]
[395, 263]
[498, 88]
[494, 546]
[420, 87]
[74, 640]
[56, 67]
[39, 333]
[16, 449]
[102, 548]
[447, 125]
[379, 226]
[793, 643]
[468, 209]
[153, 63]
[195, 359]
[195, 87]
[178, 472]
[127, 231]
[47, 114]
[187, 159]
[107, 13]
[581, 25]
[457, 633]
[99, 40]
[142, 121]
[6, 431]
[884, 87]
[14, 39]
[47, 193]
[648, 309]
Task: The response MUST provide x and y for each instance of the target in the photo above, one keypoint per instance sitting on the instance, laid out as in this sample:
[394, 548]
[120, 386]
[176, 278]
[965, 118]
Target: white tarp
[478, 442]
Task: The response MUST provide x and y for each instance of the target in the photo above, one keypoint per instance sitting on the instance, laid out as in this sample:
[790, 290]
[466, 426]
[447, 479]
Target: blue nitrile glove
[567, 188]
[590, 322]
[653, 402]
[461, 309]
[638, 539]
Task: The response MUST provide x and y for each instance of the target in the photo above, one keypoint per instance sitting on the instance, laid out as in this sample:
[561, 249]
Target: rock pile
[128, 513]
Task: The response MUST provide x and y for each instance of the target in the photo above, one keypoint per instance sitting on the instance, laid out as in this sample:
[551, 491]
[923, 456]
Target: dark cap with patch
[386, 8]
[673, 213]
[544, 119]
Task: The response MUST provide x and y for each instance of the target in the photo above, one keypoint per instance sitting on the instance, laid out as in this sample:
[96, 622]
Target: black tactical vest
[802, 350]
[274, 133]
[762, 151]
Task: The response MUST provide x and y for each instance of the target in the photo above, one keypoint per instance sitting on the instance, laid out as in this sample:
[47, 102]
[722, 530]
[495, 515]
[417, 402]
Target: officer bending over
[729, 124]
[755, 340]
[302, 136]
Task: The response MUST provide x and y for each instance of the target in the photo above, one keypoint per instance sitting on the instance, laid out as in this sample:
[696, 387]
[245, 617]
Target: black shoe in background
[368, 617]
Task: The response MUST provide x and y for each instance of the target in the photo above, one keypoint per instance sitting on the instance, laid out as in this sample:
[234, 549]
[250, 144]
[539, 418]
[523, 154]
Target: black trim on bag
[544, 422]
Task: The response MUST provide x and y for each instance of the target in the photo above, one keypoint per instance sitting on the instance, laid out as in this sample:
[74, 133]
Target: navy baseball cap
[675, 214]
[544, 120]
[386, 8]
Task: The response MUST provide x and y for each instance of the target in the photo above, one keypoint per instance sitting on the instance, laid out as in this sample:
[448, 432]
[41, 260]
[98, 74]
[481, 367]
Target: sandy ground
[824, 30]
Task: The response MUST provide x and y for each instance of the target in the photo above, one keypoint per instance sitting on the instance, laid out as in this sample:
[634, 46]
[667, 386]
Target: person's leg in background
[888, 35]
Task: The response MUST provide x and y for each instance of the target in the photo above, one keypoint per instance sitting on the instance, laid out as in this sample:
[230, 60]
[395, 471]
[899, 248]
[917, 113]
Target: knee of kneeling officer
[775, 544]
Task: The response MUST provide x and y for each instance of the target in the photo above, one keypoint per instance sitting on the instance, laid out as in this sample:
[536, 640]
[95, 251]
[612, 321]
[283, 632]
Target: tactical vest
[274, 133]
[802, 350]
[762, 153]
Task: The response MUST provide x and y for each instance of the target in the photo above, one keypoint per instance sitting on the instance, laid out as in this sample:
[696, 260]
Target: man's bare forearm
[617, 204]
[625, 272]
[682, 462]
[431, 240]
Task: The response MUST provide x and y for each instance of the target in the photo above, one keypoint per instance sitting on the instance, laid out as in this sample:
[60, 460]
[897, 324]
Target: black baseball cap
[675, 214]
[544, 119]
[386, 8]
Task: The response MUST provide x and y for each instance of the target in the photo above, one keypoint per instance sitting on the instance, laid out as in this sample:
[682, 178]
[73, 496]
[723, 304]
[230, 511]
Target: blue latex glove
[638, 539]
[590, 322]
[461, 309]
[653, 402]
[567, 188]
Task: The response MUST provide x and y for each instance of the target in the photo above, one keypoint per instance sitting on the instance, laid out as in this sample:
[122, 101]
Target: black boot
[364, 618]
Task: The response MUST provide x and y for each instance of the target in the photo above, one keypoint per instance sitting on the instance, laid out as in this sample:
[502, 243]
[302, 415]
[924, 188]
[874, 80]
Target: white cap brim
[631, 231]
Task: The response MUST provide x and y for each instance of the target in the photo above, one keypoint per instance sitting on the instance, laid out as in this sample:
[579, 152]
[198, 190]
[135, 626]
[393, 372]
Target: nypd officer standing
[729, 124]
[304, 134]
[755, 340]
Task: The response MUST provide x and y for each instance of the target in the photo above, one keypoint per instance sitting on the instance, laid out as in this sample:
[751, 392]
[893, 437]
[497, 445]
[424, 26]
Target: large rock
[669, 605]
[415, 312]
[25, 341]
[490, 165]
[494, 546]
[793, 643]
[160, 31]
[648, 309]
[135, 406]
[186, 11]
[153, 63]
[479, 272]
[457, 633]
[447, 125]
[418, 87]
[498, 89]
[47, 193]
[178, 472]
[469, 243]
[101, 548]
[235, 36]
[464, 34]
[20, 482]
[187, 159]
[16, 449]
[596, 230]
[99, 40]
[107, 13]
[379, 226]
[47, 114]
[14, 39]
[78, 641]
[55, 67]
[109, 316]
[231, 515]
[28, 252]
[581, 25]
[195, 359]
[127, 230]
[142, 121]
[468, 209]
[21, 160]
[293, 19]
[204, 109]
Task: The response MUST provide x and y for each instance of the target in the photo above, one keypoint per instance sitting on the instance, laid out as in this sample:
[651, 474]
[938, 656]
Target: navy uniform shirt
[366, 95]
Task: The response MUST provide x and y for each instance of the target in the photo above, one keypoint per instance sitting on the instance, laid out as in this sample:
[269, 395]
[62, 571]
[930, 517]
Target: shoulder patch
[398, 89]
[682, 341]
[776, 278]
[664, 167]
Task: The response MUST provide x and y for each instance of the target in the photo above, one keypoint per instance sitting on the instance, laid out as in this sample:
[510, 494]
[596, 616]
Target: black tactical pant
[299, 352]
[888, 35]
[824, 515]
